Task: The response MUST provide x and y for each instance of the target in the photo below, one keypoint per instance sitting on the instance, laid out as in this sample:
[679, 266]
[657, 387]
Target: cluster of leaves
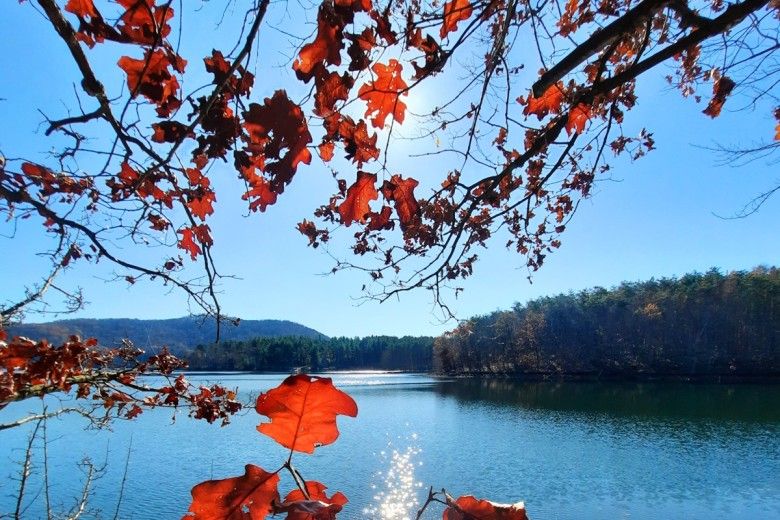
[108, 378]
[302, 412]
[528, 154]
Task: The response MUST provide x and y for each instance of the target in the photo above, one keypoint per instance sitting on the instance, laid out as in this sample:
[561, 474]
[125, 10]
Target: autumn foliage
[302, 412]
[527, 108]
[526, 162]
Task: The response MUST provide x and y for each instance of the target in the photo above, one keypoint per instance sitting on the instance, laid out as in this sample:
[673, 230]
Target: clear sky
[660, 216]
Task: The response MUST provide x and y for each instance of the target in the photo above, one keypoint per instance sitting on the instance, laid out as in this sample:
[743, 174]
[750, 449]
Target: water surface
[570, 450]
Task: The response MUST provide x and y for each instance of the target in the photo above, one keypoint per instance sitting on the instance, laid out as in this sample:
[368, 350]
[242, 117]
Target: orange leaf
[190, 234]
[382, 95]
[355, 207]
[578, 118]
[170, 132]
[145, 23]
[248, 497]
[401, 191]
[326, 150]
[82, 8]
[720, 91]
[317, 507]
[261, 194]
[360, 146]
[277, 125]
[151, 78]
[470, 508]
[549, 102]
[454, 12]
[202, 205]
[331, 88]
[326, 47]
[303, 412]
[188, 244]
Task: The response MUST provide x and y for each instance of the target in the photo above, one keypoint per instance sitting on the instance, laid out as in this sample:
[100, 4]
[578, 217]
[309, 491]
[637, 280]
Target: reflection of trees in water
[743, 402]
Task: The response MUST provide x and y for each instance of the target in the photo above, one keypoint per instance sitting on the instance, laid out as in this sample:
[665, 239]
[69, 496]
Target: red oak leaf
[454, 12]
[326, 47]
[720, 91]
[383, 26]
[317, 507]
[359, 145]
[359, 48]
[169, 132]
[550, 101]
[217, 65]
[145, 23]
[382, 95]
[381, 220]
[248, 497]
[82, 8]
[470, 508]
[331, 88]
[151, 78]
[201, 204]
[578, 118]
[187, 242]
[401, 191]
[355, 207]
[326, 150]
[260, 194]
[276, 125]
[303, 412]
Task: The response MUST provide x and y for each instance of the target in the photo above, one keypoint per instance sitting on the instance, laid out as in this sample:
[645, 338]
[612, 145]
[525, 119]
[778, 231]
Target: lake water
[570, 450]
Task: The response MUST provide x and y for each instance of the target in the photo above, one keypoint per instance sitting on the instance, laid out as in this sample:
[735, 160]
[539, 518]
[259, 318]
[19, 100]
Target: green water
[569, 450]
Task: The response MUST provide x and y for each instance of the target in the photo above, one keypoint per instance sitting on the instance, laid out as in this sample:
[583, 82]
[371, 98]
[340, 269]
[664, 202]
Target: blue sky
[656, 217]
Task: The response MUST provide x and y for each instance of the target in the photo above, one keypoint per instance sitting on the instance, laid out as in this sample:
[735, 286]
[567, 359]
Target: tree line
[698, 325]
[407, 353]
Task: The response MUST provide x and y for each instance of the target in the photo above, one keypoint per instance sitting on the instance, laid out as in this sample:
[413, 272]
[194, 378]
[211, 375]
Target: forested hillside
[178, 334]
[283, 354]
[699, 324]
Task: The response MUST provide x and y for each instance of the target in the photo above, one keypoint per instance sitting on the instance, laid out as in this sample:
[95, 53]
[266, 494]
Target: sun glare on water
[396, 498]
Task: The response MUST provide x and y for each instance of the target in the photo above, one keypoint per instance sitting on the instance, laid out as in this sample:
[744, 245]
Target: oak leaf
[202, 203]
[550, 101]
[356, 205]
[720, 91]
[151, 78]
[469, 508]
[81, 8]
[273, 127]
[317, 507]
[382, 95]
[578, 118]
[145, 23]
[187, 242]
[454, 12]
[326, 47]
[401, 192]
[248, 497]
[303, 412]
[170, 132]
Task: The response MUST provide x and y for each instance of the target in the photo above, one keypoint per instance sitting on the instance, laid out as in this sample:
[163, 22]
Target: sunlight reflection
[397, 498]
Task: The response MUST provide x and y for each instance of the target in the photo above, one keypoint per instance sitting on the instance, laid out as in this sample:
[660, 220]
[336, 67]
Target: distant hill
[179, 334]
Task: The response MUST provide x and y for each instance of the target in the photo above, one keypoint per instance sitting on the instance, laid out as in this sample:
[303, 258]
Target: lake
[570, 450]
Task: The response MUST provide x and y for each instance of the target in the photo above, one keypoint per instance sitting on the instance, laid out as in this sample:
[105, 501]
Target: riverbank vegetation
[709, 324]
[283, 354]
